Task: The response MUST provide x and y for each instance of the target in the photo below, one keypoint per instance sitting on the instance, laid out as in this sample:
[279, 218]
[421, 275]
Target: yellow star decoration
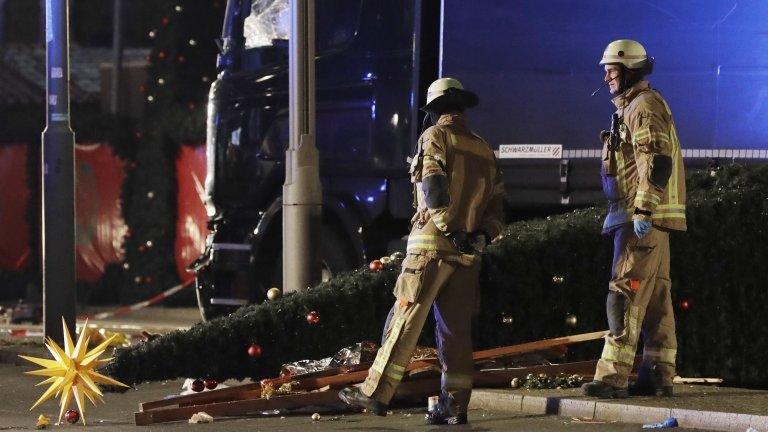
[72, 372]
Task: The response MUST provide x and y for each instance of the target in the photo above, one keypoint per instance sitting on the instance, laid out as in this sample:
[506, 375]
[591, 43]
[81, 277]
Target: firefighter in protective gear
[644, 181]
[458, 196]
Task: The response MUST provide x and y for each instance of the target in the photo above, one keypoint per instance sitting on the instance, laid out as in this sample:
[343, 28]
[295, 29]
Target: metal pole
[302, 193]
[58, 215]
[117, 56]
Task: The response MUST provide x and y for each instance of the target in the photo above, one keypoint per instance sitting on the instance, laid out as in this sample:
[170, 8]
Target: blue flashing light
[369, 199]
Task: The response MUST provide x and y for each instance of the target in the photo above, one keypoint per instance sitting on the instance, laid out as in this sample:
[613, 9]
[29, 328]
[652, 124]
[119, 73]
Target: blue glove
[642, 228]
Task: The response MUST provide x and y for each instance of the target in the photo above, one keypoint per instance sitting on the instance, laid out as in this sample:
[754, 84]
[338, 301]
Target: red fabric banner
[14, 196]
[191, 226]
[100, 224]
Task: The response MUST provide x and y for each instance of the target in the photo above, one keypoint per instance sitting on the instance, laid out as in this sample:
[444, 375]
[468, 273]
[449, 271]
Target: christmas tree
[181, 68]
[544, 278]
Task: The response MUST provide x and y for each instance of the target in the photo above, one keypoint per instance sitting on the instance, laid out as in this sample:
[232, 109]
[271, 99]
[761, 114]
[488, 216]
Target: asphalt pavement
[19, 393]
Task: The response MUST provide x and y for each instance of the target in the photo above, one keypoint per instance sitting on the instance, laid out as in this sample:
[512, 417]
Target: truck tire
[336, 254]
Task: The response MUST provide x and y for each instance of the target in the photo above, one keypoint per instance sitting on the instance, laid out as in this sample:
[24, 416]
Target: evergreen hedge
[539, 273]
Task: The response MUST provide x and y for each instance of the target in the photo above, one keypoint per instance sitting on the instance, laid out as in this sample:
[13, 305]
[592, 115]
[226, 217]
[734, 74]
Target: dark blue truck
[533, 64]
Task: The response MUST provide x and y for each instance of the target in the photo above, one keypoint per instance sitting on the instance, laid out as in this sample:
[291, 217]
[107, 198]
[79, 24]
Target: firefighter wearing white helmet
[458, 196]
[644, 181]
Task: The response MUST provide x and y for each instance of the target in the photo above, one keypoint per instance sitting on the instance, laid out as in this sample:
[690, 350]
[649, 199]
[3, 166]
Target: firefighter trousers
[451, 290]
[639, 301]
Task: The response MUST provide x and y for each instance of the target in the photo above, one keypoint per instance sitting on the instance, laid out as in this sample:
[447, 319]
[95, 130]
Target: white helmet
[452, 86]
[627, 52]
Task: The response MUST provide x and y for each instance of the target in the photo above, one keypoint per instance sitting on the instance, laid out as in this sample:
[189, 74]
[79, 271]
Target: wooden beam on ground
[251, 390]
[347, 375]
[237, 407]
[536, 346]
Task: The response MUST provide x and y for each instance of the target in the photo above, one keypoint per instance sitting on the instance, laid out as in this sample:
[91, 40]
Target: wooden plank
[536, 346]
[219, 395]
[684, 380]
[236, 408]
[251, 390]
[345, 375]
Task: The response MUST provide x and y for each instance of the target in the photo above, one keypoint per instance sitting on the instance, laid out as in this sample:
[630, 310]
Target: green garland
[541, 272]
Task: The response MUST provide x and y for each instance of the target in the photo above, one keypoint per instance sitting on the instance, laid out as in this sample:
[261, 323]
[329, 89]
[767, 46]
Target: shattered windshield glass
[269, 20]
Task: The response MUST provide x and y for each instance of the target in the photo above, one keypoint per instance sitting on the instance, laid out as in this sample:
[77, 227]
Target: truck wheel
[336, 255]
[209, 282]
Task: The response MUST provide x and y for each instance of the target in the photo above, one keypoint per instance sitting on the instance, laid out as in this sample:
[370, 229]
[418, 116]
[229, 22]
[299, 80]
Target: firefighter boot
[445, 413]
[354, 397]
[603, 390]
[649, 383]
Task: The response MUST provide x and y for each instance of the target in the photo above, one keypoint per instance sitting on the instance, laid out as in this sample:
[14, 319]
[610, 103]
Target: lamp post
[58, 179]
[302, 193]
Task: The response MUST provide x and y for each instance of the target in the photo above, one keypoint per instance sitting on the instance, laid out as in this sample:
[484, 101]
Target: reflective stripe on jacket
[647, 130]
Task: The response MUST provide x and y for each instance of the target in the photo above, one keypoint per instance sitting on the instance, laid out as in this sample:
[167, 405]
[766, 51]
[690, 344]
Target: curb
[499, 400]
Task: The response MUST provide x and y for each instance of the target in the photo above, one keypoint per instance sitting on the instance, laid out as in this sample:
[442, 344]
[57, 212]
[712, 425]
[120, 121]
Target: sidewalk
[695, 407]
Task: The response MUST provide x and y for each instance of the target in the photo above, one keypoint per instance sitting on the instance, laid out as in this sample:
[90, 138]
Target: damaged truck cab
[367, 94]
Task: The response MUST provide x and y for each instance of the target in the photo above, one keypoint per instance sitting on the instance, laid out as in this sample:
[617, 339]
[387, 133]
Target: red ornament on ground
[197, 385]
[254, 351]
[210, 383]
[72, 416]
[685, 305]
[313, 318]
[376, 265]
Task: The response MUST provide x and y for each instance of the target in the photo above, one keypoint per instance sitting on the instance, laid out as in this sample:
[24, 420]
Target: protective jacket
[648, 181]
[457, 187]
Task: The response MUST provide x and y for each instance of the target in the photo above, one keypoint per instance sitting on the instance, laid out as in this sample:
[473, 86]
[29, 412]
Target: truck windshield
[269, 20]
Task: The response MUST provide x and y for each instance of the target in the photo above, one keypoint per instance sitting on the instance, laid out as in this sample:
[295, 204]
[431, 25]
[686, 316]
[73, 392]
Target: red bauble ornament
[161, 55]
[181, 59]
[210, 383]
[685, 305]
[72, 416]
[313, 318]
[376, 265]
[254, 351]
[142, 248]
[148, 279]
[197, 385]
[165, 20]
